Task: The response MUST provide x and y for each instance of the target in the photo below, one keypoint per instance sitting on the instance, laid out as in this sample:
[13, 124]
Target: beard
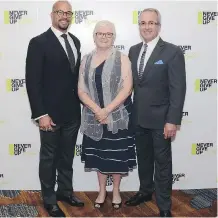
[63, 26]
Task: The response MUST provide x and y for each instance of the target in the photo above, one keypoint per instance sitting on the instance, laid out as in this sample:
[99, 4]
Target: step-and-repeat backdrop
[190, 25]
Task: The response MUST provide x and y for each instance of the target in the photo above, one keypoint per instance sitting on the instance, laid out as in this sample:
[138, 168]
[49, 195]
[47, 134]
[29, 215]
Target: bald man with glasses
[52, 68]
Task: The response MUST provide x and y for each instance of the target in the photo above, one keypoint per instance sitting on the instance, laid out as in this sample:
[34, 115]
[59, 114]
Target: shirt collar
[153, 42]
[57, 32]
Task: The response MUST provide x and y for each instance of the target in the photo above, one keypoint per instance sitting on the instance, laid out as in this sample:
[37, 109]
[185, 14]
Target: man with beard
[52, 67]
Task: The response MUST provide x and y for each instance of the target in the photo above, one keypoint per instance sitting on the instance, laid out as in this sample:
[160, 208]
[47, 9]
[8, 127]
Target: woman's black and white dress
[114, 153]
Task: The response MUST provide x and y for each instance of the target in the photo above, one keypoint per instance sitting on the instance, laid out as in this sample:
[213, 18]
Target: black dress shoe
[72, 200]
[137, 199]
[165, 213]
[54, 210]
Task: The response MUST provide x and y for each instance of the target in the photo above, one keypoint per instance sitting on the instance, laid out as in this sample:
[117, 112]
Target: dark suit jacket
[159, 96]
[51, 85]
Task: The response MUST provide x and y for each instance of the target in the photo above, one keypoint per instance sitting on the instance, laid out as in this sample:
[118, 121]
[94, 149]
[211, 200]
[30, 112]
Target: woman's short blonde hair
[105, 23]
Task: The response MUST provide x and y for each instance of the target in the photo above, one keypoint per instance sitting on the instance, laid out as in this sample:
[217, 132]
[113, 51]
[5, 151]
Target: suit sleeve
[34, 76]
[129, 54]
[177, 88]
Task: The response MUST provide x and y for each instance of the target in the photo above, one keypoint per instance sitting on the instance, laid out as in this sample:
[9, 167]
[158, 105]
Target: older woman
[104, 87]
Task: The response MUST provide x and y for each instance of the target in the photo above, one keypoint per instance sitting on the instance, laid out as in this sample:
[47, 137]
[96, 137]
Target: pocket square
[159, 62]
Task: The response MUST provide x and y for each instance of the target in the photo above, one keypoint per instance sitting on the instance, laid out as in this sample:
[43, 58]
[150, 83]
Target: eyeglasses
[150, 24]
[61, 13]
[108, 35]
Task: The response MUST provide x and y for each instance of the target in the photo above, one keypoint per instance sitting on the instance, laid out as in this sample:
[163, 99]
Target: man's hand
[169, 130]
[46, 123]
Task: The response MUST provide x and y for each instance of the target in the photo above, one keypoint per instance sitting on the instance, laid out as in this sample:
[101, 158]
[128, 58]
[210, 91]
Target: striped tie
[142, 60]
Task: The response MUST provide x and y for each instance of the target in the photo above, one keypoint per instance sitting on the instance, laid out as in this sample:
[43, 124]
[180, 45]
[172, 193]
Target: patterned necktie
[142, 60]
[69, 52]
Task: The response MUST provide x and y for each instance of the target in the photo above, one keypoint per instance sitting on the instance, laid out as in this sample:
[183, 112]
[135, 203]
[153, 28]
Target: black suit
[52, 89]
[158, 99]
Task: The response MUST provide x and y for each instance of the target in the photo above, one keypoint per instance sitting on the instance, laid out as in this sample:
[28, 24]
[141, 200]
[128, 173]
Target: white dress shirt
[58, 34]
[150, 48]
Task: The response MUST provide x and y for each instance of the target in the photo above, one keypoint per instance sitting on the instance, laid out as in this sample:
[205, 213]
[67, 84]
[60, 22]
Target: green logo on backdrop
[205, 17]
[135, 17]
[13, 85]
[200, 148]
[202, 85]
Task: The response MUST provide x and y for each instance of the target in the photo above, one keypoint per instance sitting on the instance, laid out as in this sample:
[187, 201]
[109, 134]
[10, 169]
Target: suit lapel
[150, 63]
[57, 45]
[76, 45]
[55, 42]
[77, 48]
[135, 60]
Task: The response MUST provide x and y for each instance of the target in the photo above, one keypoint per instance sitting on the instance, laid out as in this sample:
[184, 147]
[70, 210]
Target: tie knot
[145, 46]
[64, 36]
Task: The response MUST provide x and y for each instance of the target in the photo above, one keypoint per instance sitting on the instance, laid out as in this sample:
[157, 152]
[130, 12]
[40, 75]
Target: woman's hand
[104, 121]
[101, 115]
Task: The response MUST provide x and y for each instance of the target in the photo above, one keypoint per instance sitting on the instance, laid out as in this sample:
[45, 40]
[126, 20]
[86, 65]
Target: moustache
[64, 20]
